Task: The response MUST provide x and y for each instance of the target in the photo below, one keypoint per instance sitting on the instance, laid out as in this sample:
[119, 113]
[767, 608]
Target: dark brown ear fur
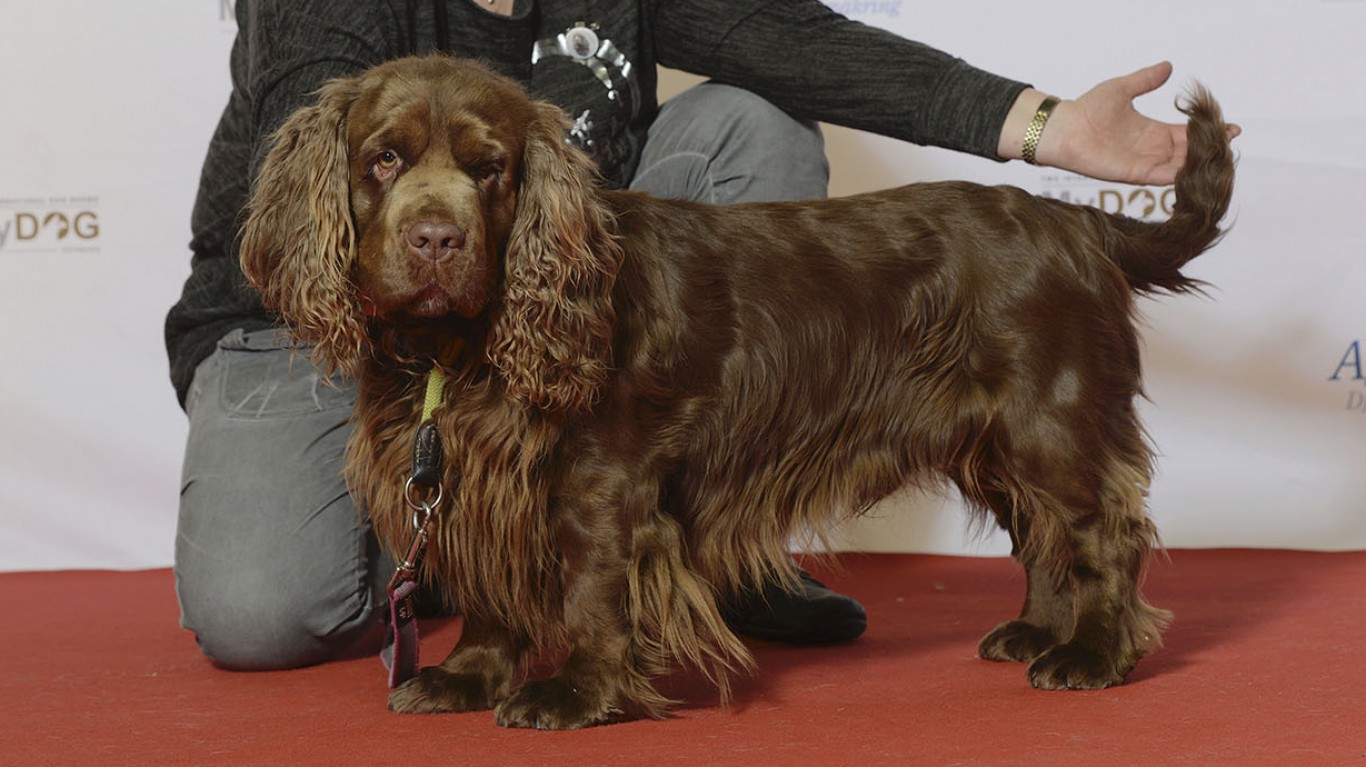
[298, 243]
[552, 339]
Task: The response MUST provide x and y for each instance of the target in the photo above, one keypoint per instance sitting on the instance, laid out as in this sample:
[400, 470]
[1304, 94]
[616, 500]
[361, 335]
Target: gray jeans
[275, 566]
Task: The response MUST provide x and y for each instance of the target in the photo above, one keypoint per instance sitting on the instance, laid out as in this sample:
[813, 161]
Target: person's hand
[1102, 135]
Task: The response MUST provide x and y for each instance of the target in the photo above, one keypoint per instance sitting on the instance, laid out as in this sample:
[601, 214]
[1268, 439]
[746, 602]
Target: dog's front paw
[1072, 666]
[435, 690]
[556, 704]
[1016, 641]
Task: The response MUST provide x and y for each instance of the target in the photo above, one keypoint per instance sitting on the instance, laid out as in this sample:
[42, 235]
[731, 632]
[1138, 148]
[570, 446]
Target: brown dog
[654, 395]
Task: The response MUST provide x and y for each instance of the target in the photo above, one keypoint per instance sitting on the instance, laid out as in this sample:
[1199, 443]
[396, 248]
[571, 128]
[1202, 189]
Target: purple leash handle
[404, 662]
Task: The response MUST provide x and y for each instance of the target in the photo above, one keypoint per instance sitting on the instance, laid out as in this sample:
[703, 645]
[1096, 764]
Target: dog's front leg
[591, 687]
[476, 675]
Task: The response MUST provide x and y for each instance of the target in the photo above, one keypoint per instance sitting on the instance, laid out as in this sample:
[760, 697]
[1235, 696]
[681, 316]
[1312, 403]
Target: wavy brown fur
[299, 238]
[654, 396]
[552, 339]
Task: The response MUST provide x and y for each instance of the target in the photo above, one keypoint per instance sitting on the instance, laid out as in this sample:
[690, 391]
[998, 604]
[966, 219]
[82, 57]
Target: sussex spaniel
[653, 396]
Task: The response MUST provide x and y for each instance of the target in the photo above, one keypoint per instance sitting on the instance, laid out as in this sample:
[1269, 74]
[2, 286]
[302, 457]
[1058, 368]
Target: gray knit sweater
[594, 58]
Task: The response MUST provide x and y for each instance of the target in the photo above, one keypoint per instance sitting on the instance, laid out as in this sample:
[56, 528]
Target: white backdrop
[1258, 393]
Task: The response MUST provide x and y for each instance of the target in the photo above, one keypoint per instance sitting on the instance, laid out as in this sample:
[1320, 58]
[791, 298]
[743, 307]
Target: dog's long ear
[552, 341]
[297, 245]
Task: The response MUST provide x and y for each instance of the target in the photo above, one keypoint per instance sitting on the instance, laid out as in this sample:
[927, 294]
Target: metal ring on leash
[417, 506]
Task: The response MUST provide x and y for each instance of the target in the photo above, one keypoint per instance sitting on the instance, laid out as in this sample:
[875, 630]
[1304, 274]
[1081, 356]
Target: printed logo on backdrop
[1146, 203]
[1351, 373]
[49, 225]
[890, 9]
[227, 12]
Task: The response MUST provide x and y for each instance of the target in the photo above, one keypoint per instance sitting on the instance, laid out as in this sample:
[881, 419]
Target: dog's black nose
[435, 240]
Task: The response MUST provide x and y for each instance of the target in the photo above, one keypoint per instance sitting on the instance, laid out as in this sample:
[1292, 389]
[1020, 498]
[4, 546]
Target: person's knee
[258, 623]
[274, 564]
[742, 115]
[753, 150]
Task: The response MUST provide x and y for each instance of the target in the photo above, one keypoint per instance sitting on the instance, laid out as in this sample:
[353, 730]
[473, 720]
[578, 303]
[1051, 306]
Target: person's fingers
[1147, 79]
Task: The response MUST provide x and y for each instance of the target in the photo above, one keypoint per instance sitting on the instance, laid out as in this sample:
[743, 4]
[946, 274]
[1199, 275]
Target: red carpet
[1263, 667]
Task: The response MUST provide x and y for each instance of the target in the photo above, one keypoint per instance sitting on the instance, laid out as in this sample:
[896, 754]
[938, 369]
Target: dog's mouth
[430, 303]
[423, 292]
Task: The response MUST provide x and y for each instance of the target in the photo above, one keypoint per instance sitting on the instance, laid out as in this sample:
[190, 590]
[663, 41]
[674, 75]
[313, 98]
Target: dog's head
[430, 194]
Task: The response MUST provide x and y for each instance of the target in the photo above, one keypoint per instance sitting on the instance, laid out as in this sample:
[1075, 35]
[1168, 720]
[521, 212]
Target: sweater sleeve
[817, 64]
[297, 45]
[285, 50]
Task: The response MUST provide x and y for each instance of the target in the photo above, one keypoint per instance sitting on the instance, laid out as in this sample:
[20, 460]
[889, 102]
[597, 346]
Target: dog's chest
[492, 544]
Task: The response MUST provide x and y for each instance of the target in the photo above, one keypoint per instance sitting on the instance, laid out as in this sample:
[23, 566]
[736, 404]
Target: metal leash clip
[417, 545]
[425, 480]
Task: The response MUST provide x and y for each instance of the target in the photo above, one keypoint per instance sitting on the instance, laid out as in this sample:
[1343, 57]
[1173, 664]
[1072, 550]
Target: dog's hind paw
[555, 704]
[435, 690]
[1016, 641]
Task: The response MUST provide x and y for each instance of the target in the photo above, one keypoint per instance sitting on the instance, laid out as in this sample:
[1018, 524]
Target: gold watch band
[1031, 138]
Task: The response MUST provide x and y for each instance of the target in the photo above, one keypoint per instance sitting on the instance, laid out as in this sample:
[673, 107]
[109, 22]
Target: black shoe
[812, 615]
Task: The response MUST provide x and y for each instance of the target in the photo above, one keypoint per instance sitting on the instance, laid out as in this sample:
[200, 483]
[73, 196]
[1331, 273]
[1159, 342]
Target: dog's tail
[1151, 255]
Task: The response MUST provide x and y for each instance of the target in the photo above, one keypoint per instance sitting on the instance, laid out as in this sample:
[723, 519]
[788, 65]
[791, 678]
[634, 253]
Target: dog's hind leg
[476, 675]
[1103, 559]
[1068, 481]
[1081, 477]
[1047, 616]
[985, 475]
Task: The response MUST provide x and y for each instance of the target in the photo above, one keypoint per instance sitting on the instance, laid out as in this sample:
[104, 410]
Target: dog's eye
[488, 171]
[385, 165]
